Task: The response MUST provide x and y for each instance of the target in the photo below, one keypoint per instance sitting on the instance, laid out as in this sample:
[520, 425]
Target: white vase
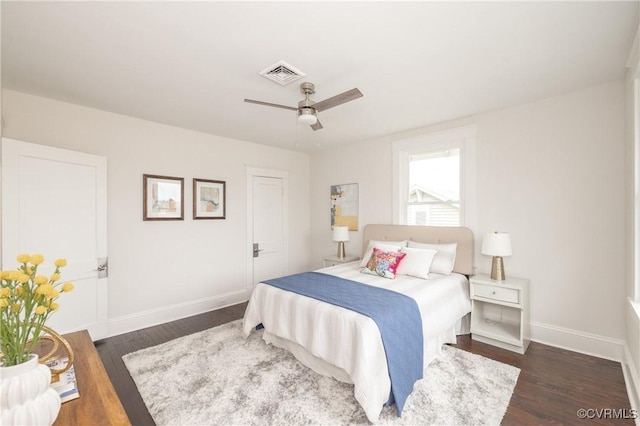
[25, 395]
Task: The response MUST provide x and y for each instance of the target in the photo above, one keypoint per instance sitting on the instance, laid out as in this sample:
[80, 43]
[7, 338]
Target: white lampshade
[307, 116]
[340, 233]
[497, 244]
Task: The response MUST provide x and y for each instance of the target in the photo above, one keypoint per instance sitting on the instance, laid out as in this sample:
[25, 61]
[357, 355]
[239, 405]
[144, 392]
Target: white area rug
[216, 377]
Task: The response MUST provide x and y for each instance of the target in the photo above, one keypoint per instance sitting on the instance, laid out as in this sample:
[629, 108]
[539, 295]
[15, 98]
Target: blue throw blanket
[396, 315]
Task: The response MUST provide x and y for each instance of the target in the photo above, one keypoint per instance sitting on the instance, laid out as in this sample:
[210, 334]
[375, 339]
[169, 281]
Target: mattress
[346, 345]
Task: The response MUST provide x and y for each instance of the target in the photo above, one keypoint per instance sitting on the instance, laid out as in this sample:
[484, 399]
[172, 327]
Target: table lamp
[497, 244]
[341, 234]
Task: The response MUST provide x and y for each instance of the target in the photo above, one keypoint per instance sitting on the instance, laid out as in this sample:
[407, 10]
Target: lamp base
[497, 268]
[341, 253]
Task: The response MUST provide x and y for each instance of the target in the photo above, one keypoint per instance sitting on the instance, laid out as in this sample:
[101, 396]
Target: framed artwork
[163, 197]
[209, 198]
[344, 206]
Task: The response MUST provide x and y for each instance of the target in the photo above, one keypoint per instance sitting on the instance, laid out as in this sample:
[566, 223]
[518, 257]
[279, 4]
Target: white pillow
[445, 258]
[417, 262]
[384, 245]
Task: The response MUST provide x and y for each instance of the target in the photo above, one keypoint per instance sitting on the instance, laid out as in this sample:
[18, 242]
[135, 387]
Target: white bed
[346, 345]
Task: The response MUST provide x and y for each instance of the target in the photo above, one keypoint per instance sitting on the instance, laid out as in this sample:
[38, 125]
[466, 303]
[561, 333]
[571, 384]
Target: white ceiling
[191, 64]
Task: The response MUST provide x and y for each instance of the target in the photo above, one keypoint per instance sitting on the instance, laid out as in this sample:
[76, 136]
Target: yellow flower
[40, 279]
[46, 290]
[10, 275]
[26, 301]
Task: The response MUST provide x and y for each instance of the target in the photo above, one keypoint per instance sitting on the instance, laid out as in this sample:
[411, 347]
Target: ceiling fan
[308, 109]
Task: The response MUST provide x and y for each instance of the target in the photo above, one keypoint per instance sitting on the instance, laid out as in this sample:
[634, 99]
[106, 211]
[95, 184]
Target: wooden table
[98, 403]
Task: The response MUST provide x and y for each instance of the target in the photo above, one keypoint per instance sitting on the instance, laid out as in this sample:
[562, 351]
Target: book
[65, 383]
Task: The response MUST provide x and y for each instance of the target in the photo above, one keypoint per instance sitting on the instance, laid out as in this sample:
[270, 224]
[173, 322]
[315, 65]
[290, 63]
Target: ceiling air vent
[282, 73]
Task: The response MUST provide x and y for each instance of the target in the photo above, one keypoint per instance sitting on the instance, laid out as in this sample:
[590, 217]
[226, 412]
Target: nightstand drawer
[495, 292]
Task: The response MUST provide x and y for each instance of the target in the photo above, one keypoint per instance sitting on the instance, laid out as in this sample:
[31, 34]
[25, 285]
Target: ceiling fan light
[307, 116]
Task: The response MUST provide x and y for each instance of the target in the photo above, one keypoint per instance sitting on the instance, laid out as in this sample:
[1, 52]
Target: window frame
[462, 138]
[636, 185]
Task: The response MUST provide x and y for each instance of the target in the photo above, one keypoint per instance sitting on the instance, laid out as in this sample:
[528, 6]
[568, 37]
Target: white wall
[549, 172]
[552, 174]
[162, 270]
[632, 139]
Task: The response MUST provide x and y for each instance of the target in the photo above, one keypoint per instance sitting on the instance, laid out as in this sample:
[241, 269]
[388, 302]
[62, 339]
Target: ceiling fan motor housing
[307, 114]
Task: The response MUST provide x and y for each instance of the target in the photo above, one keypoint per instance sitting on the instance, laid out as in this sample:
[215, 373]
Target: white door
[267, 209]
[54, 202]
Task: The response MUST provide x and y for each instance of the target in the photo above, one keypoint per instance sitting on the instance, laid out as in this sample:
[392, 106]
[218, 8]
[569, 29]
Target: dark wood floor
[553, 384]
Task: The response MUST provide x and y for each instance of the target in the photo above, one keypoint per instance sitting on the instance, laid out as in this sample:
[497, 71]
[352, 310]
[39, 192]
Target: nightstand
[500, 312]
[335, 260]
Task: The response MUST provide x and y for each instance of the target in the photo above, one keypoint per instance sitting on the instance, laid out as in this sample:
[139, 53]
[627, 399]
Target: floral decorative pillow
[386, 245]
[383, 263]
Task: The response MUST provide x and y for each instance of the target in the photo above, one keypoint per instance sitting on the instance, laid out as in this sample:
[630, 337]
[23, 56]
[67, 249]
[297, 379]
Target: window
[434, 179]
[434, 188]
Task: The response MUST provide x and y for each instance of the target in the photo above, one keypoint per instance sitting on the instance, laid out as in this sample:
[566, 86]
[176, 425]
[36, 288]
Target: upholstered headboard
[427, 234]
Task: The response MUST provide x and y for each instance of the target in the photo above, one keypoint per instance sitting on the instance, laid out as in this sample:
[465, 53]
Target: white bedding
[344, 344]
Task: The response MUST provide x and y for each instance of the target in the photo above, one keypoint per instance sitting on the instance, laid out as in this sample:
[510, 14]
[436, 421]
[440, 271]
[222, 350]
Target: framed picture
[209, 198]
[344, 206]
[163, 197]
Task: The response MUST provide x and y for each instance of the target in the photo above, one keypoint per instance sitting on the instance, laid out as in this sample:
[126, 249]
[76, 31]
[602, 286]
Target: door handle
[256, 249]
[102, 267]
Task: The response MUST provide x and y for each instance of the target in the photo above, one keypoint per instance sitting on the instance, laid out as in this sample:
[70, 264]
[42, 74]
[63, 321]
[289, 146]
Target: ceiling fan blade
[317, 126]
[347, 96]
[251, 101]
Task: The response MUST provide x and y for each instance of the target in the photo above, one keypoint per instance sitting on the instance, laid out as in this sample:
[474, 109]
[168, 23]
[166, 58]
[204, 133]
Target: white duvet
[338, 342]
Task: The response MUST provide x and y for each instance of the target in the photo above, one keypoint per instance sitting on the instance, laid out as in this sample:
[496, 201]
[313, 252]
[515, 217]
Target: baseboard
[631, 381]
[149, 318]
[578, 341]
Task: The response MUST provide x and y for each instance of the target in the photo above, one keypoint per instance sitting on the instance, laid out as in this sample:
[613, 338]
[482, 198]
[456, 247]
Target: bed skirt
[432, 349]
